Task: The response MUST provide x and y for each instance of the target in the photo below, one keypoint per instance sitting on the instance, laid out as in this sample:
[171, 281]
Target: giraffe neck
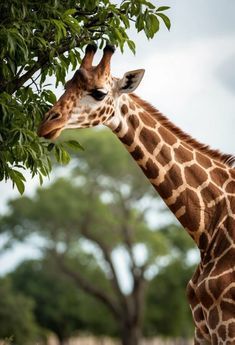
[183, 175]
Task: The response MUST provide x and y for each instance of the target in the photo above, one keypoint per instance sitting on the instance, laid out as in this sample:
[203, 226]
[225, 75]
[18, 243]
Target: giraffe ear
[130, 81]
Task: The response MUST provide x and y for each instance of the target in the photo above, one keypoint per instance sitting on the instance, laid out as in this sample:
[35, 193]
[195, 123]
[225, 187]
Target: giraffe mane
[224, 158]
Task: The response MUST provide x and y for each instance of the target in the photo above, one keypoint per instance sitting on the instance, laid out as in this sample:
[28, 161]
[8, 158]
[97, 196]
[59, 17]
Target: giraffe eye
[97, 94]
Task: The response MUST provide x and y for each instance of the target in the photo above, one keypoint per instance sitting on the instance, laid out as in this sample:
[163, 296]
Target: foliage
[40, 39]
[16, 315]
[59, 305]
[167, 309]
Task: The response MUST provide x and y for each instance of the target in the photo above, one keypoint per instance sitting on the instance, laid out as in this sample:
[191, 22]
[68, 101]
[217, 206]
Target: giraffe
[196, 182]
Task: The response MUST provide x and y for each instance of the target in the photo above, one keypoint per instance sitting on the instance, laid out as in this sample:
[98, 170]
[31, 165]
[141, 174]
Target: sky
[190, 77]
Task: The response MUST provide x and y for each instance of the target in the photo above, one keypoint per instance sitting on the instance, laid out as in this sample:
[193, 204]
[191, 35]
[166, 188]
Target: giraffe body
[196, 183]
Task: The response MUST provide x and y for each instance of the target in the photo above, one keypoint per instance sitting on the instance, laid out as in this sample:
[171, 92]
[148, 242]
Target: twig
[35, 84]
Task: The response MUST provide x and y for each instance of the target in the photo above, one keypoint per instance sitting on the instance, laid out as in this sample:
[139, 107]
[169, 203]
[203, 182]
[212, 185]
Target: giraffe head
[90, 97]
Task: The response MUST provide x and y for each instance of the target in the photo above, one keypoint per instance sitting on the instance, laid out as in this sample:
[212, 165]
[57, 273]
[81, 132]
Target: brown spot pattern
[232, 203]
[134, 121]
[191, 218]
[149, 139]
[228, 309]
[164, 156]
[230, 293]
[231, 329]
[230, 188]
[127, 139]
[182, 155]
[151, 171]
[219, 176]
[147, 119]
[92, 116]
[210, 192]
[124, 109]
[137, 154]
[217, 286]
[204, 297]
[118, 128]
[221, 165]
[172, 181]
[222, 332]
[215, 339]
[167, 136]
[203, 160]
[203, 242]
[224, 263]
[195, 175]
[221, 244]
[213, 318]
[198, 314]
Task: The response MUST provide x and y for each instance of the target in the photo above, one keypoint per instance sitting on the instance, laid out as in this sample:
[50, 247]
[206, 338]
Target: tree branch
[43, 60]
[90, 288]
[41, 63]
[13, 85]
[107, 256]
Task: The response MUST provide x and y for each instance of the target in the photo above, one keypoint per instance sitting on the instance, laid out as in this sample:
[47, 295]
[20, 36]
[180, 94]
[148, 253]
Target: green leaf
[19, 175]
[50, 146]
[20, 185]
[65, 157]
[131, 45]
[40, 179]
[50, 96]
[149, 4]
[140, 22]
[165, 19]
[11, 43]
[18, 179]
[73, 144]
[57, 154]
[163, 8]
[61, 155]
[70, 12]
[154, 24]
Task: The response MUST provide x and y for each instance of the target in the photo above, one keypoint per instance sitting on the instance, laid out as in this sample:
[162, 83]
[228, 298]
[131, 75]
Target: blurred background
[94, 254]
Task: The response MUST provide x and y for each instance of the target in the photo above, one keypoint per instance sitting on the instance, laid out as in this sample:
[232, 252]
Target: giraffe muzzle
[51, 126]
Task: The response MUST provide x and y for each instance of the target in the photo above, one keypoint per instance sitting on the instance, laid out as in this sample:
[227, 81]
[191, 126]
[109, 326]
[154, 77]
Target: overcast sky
[190, 77]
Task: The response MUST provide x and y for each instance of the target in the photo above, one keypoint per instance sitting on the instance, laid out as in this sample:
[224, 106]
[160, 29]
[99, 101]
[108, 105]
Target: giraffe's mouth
[52, 135]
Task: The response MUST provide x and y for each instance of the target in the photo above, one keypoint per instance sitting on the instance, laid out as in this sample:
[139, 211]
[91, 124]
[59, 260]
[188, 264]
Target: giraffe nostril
[53, 116]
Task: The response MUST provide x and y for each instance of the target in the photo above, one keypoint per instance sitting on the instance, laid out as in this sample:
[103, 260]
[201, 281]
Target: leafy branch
[41, 39]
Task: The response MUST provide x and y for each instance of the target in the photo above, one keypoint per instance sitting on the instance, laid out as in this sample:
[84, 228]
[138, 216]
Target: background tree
[17, 323]
[94, 217]
[59, 305]
[167, 291]
[45, 38]
[168, 312]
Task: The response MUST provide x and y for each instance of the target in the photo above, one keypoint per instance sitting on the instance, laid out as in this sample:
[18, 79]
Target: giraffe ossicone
[196, 182]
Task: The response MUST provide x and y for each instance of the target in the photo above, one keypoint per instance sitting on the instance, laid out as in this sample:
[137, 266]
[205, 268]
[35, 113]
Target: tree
[167, 310]
[45, 38]
[17, 321]
[105, 205]
[59, 306]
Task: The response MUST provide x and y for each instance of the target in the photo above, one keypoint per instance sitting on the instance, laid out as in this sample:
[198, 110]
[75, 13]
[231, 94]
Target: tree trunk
[62, 341]
[131, 334]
